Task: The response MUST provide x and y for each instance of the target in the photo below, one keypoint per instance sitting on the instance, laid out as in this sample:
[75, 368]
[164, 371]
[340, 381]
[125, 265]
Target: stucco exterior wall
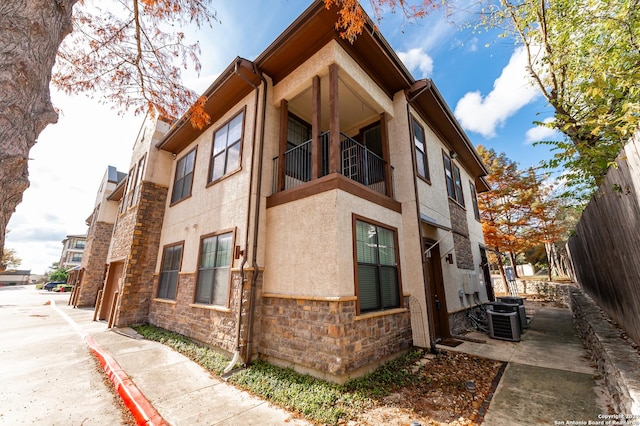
[350, 72]
[211, 208]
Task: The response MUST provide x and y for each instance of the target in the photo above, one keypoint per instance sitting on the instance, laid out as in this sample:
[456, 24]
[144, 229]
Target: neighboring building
[89, 277]
[15, 277]
[325, 219]
[72, 249]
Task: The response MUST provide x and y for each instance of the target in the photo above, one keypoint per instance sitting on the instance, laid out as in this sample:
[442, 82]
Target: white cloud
[65, 169]
[417, 61]
[511, 91]
[541, 133]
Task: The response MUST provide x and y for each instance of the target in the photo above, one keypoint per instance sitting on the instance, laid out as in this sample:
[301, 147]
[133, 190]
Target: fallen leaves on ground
[440, 396]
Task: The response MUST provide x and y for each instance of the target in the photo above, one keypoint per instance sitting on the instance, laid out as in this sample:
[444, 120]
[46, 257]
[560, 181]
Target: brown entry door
[114, 275]
[438, 300]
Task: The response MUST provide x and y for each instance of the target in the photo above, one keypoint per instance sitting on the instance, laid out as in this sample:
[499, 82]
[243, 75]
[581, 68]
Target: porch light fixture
[453, 154]
[450, 258]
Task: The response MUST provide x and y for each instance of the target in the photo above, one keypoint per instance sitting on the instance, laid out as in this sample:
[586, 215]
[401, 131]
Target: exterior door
[114, 277]
[487, 274]
[438, 300]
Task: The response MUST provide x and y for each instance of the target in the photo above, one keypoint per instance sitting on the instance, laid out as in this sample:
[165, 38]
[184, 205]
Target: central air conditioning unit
[521, 310]
[504, 325]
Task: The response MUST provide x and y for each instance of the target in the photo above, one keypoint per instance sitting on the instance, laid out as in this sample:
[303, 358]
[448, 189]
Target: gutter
[427, 290]
[237, 354]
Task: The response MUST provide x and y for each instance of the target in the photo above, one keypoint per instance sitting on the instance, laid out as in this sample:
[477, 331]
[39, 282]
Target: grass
[315, 399]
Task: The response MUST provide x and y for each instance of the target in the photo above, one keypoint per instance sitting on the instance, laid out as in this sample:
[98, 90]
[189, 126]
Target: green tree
[584, 56]
[57, 273]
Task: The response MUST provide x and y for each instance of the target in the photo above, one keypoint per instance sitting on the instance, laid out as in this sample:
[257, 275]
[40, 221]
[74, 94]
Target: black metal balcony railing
[357, 163]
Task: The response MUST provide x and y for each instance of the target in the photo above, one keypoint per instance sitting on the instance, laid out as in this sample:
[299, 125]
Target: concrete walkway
[163, 387]
[183, 392]
[549, 378]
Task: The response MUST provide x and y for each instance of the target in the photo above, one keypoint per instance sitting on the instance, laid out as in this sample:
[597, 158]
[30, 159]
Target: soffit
[233, 85]
[313, 30]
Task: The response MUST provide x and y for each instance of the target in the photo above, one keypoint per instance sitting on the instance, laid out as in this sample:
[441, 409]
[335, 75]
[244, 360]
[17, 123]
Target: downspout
[254, 254]
[236, 355]
[427, 290]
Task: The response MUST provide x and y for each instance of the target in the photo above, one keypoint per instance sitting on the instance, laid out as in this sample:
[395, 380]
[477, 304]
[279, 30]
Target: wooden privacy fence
[605, 249]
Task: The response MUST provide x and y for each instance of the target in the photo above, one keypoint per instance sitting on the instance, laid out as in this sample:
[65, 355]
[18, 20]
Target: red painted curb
[136, 402]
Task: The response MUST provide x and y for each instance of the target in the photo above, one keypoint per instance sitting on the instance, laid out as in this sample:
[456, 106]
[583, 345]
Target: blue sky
[480, 75]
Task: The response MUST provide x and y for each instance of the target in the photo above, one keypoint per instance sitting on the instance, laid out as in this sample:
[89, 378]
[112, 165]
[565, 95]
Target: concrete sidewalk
[162, 387]
[180, 390]
[549, 378]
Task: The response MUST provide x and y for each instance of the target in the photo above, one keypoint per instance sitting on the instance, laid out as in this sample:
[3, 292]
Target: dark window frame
[178, 182]
[167, 272]
[421, 153]
[474, 200]
[135, 196]
[383, 304]
[225, 152]
[200, 274]
[453, 179]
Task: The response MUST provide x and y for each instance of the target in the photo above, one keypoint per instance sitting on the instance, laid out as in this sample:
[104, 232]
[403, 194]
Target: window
[419, 139]
[184, 177]
[171, 258]
[136, 188]
[225, 155]
[76, 257]
[454, 182]
[377, 267]
[80, 244]
[213, 272]
[125, 197]
[474, 200]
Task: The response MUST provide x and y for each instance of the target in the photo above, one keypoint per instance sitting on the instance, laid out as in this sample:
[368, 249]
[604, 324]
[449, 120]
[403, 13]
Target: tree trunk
[512, 257]
[30, 34]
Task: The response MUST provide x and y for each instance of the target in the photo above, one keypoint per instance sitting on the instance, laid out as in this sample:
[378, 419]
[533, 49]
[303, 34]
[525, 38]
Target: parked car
[63, 288]
[52, 284]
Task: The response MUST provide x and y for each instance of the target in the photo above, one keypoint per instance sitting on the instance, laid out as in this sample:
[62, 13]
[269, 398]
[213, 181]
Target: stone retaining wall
[617, 361]
[550, 291]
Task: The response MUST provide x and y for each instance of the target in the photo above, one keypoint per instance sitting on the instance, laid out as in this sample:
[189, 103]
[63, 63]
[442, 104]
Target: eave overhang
[233, 84]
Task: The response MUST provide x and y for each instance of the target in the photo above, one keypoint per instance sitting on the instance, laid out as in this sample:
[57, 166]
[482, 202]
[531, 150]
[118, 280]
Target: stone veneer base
[327, 339]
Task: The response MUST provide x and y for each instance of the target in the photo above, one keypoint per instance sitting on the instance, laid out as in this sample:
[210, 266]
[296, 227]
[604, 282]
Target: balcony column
[334, 121]
[282, 145]
[384, 134]
[316, 147]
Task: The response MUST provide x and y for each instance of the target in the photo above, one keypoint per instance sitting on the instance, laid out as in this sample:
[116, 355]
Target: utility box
[504, 325]
[521, 309]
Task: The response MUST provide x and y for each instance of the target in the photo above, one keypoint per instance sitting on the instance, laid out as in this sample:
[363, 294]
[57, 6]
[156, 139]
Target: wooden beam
[334, 121]
[316, 147]
[282, 145]
[384, 134]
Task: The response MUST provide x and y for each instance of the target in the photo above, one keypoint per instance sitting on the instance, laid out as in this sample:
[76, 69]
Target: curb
[140, 407]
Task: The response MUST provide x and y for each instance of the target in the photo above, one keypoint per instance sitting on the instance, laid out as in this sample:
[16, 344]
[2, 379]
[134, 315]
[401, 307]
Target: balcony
[357, 163]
